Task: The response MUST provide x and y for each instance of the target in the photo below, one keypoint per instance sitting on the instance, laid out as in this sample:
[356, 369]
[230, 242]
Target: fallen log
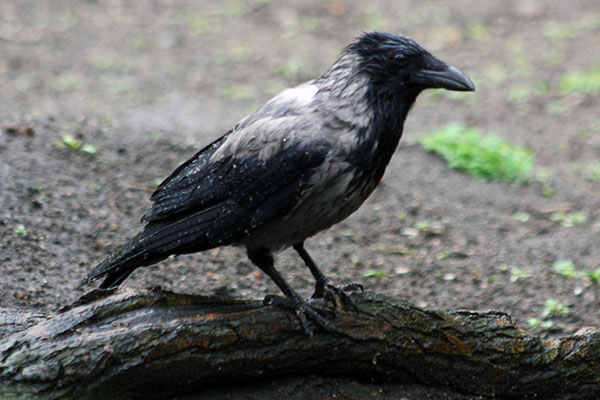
[154, 344]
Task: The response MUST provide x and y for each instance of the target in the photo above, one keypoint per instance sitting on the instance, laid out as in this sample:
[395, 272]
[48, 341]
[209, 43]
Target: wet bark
[153, 344]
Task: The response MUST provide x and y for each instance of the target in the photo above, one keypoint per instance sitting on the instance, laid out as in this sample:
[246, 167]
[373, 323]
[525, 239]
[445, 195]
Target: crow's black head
[397, 64]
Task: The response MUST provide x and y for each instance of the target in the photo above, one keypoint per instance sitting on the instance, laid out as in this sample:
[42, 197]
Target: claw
[353, 287]
[340, 294]
[305, 313]
[333, 295]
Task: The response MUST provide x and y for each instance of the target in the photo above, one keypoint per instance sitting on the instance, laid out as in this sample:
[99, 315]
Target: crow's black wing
[174, 193]
[232, 196]
[247, 180]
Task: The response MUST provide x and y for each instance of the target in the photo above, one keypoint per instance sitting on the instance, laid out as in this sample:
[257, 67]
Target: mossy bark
[153, 344]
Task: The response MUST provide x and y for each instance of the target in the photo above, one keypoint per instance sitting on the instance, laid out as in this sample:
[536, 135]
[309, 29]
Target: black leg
[323, 288]
[320, 278]
[263, 259]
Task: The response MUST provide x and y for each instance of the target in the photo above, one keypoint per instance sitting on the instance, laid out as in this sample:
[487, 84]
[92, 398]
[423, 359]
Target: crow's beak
[446, 77]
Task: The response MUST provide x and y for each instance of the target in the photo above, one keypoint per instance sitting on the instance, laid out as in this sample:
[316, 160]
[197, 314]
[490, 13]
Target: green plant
[565, 268]
[555, 308]
[536, 323]
[580, 81]
[593, 275]
[89, 148]
[517, 274]
[69, 141]
[20, 230]
[569, 219]
[375, 273]
[486, 157]
[423, 225]
[522, 216]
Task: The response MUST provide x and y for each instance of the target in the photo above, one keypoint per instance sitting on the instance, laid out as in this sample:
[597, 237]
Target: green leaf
[71, 142]
[89, 148]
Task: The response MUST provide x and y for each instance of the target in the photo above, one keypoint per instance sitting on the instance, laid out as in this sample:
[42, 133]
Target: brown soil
[147, 83]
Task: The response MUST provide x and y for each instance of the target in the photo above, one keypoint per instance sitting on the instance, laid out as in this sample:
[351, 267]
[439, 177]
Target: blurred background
[100, 100]
[156, 63]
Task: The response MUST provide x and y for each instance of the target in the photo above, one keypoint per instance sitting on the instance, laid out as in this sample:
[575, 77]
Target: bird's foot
[306, 313]
[337, 296]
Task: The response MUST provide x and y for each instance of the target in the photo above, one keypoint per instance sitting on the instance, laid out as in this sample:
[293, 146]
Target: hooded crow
[301, 163]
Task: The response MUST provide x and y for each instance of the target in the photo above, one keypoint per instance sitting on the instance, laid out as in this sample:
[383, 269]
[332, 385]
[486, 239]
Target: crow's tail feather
[120, 264]
[203, 230]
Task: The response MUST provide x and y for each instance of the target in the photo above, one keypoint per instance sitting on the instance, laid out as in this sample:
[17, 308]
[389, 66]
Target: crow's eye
[401, 60]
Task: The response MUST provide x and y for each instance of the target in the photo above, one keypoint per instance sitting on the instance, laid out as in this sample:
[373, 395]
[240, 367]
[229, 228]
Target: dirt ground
[142, 85]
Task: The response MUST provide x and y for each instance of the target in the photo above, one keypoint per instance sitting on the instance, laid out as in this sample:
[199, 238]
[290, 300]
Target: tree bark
[153, 344]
